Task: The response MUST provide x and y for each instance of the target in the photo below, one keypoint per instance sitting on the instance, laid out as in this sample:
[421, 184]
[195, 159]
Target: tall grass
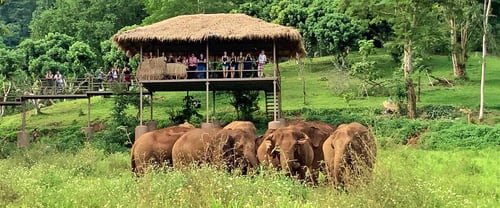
[403, 177]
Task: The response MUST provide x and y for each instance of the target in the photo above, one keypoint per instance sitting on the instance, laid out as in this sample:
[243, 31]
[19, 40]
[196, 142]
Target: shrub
[438, 111]
[399, 130]
[461, 136]
[186, 113]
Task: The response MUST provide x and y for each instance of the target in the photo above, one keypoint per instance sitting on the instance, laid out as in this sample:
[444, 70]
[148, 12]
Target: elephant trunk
[252, 158]
[338, 165]
[288, 162]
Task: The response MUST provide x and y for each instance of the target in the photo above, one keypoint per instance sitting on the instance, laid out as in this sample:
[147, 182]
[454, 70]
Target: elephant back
[242, 125]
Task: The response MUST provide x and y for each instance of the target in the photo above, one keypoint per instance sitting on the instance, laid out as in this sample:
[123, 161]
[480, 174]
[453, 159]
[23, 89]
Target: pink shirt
[193, 61]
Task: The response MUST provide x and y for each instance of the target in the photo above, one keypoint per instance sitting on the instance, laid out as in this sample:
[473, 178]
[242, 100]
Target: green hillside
[322, 85]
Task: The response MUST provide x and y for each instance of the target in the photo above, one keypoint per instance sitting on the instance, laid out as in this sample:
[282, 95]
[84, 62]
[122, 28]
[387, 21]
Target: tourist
[192, 63]
[59, 81]
[248, 66]
[202, 67]
[169, 59]
[225, 64]
[233, 64]
[100, 75]
[127, 76]
[110, 75]
[262, 60]
[240, 60]
[49, 78]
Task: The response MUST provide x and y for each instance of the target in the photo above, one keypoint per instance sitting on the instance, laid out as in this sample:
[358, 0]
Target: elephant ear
[269, 143]
[301, 138]
[230, 141]
[318, 136]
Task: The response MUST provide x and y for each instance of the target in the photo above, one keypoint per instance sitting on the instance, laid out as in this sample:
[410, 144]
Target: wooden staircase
[270, 102]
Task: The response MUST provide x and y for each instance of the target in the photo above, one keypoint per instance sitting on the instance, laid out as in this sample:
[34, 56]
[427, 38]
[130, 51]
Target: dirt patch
[413, 140]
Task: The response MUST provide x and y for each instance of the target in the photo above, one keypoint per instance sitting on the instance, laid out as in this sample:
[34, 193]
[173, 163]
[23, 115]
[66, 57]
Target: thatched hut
[220, 32]
[212, 34]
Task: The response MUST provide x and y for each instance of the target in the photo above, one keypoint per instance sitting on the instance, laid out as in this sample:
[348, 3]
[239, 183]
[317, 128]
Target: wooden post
[88, 111]
[23, 118]
[207, 85]
[151, 101]
[207, 68]
[213, 103]
[275, 115]
[140, 104]
[206, 101]
[141, 54]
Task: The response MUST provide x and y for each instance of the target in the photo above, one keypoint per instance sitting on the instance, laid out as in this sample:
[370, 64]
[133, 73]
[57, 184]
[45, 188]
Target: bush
[438, 111]
[399, 130]
[461, 136]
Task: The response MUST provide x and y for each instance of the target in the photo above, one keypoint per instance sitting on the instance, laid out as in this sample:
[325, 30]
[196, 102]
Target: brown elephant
[243, 125]
[196, 145]
[318, 132]
[238, 149]
[350, 153]
[294, 149]
[262, 151]
[155, 147]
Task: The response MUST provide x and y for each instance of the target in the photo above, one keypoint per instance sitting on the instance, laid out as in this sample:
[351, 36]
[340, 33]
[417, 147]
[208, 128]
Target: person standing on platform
[100, 76]
[241, 61]
[192, 62]
[225, 64]
[202, 67]
[262, 60]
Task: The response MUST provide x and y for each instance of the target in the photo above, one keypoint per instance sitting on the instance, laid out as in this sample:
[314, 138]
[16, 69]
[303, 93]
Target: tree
[461, 16]
[16, 16]
[87, 21]
[412, 22]
[162, 9]
[486, 15]
[245, 102]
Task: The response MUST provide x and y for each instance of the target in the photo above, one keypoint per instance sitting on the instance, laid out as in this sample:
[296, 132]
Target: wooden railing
[81, 85]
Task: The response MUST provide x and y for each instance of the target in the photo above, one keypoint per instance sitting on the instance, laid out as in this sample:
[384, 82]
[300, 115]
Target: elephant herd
[302, 149]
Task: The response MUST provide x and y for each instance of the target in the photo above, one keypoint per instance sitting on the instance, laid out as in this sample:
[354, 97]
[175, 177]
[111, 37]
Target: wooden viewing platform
[215, 84]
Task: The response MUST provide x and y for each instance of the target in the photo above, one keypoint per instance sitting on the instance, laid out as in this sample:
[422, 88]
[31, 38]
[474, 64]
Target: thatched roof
[224, 32]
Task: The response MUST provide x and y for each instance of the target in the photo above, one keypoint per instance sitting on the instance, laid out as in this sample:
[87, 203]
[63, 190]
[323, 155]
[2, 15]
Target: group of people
[242, 63]
[55, 79]
[232, 66]
[115, 74]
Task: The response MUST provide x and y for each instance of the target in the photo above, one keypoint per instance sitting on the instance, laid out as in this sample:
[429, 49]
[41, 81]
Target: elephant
[350, 154]
[196, 145]
[318, 132]
[243, 125]
[262, 151]
[293, 147]
[155, 147]
[238, 149]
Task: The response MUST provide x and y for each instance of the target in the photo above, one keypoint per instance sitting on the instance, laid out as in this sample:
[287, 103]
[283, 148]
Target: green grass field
[405, 176]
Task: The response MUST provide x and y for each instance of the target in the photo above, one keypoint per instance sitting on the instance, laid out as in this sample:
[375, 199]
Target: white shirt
[262, 58]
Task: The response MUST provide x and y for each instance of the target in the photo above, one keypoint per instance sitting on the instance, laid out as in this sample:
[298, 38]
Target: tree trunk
[487, 11]
[411, 98]
[6, 91]
[458, 52]
[410, 89]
